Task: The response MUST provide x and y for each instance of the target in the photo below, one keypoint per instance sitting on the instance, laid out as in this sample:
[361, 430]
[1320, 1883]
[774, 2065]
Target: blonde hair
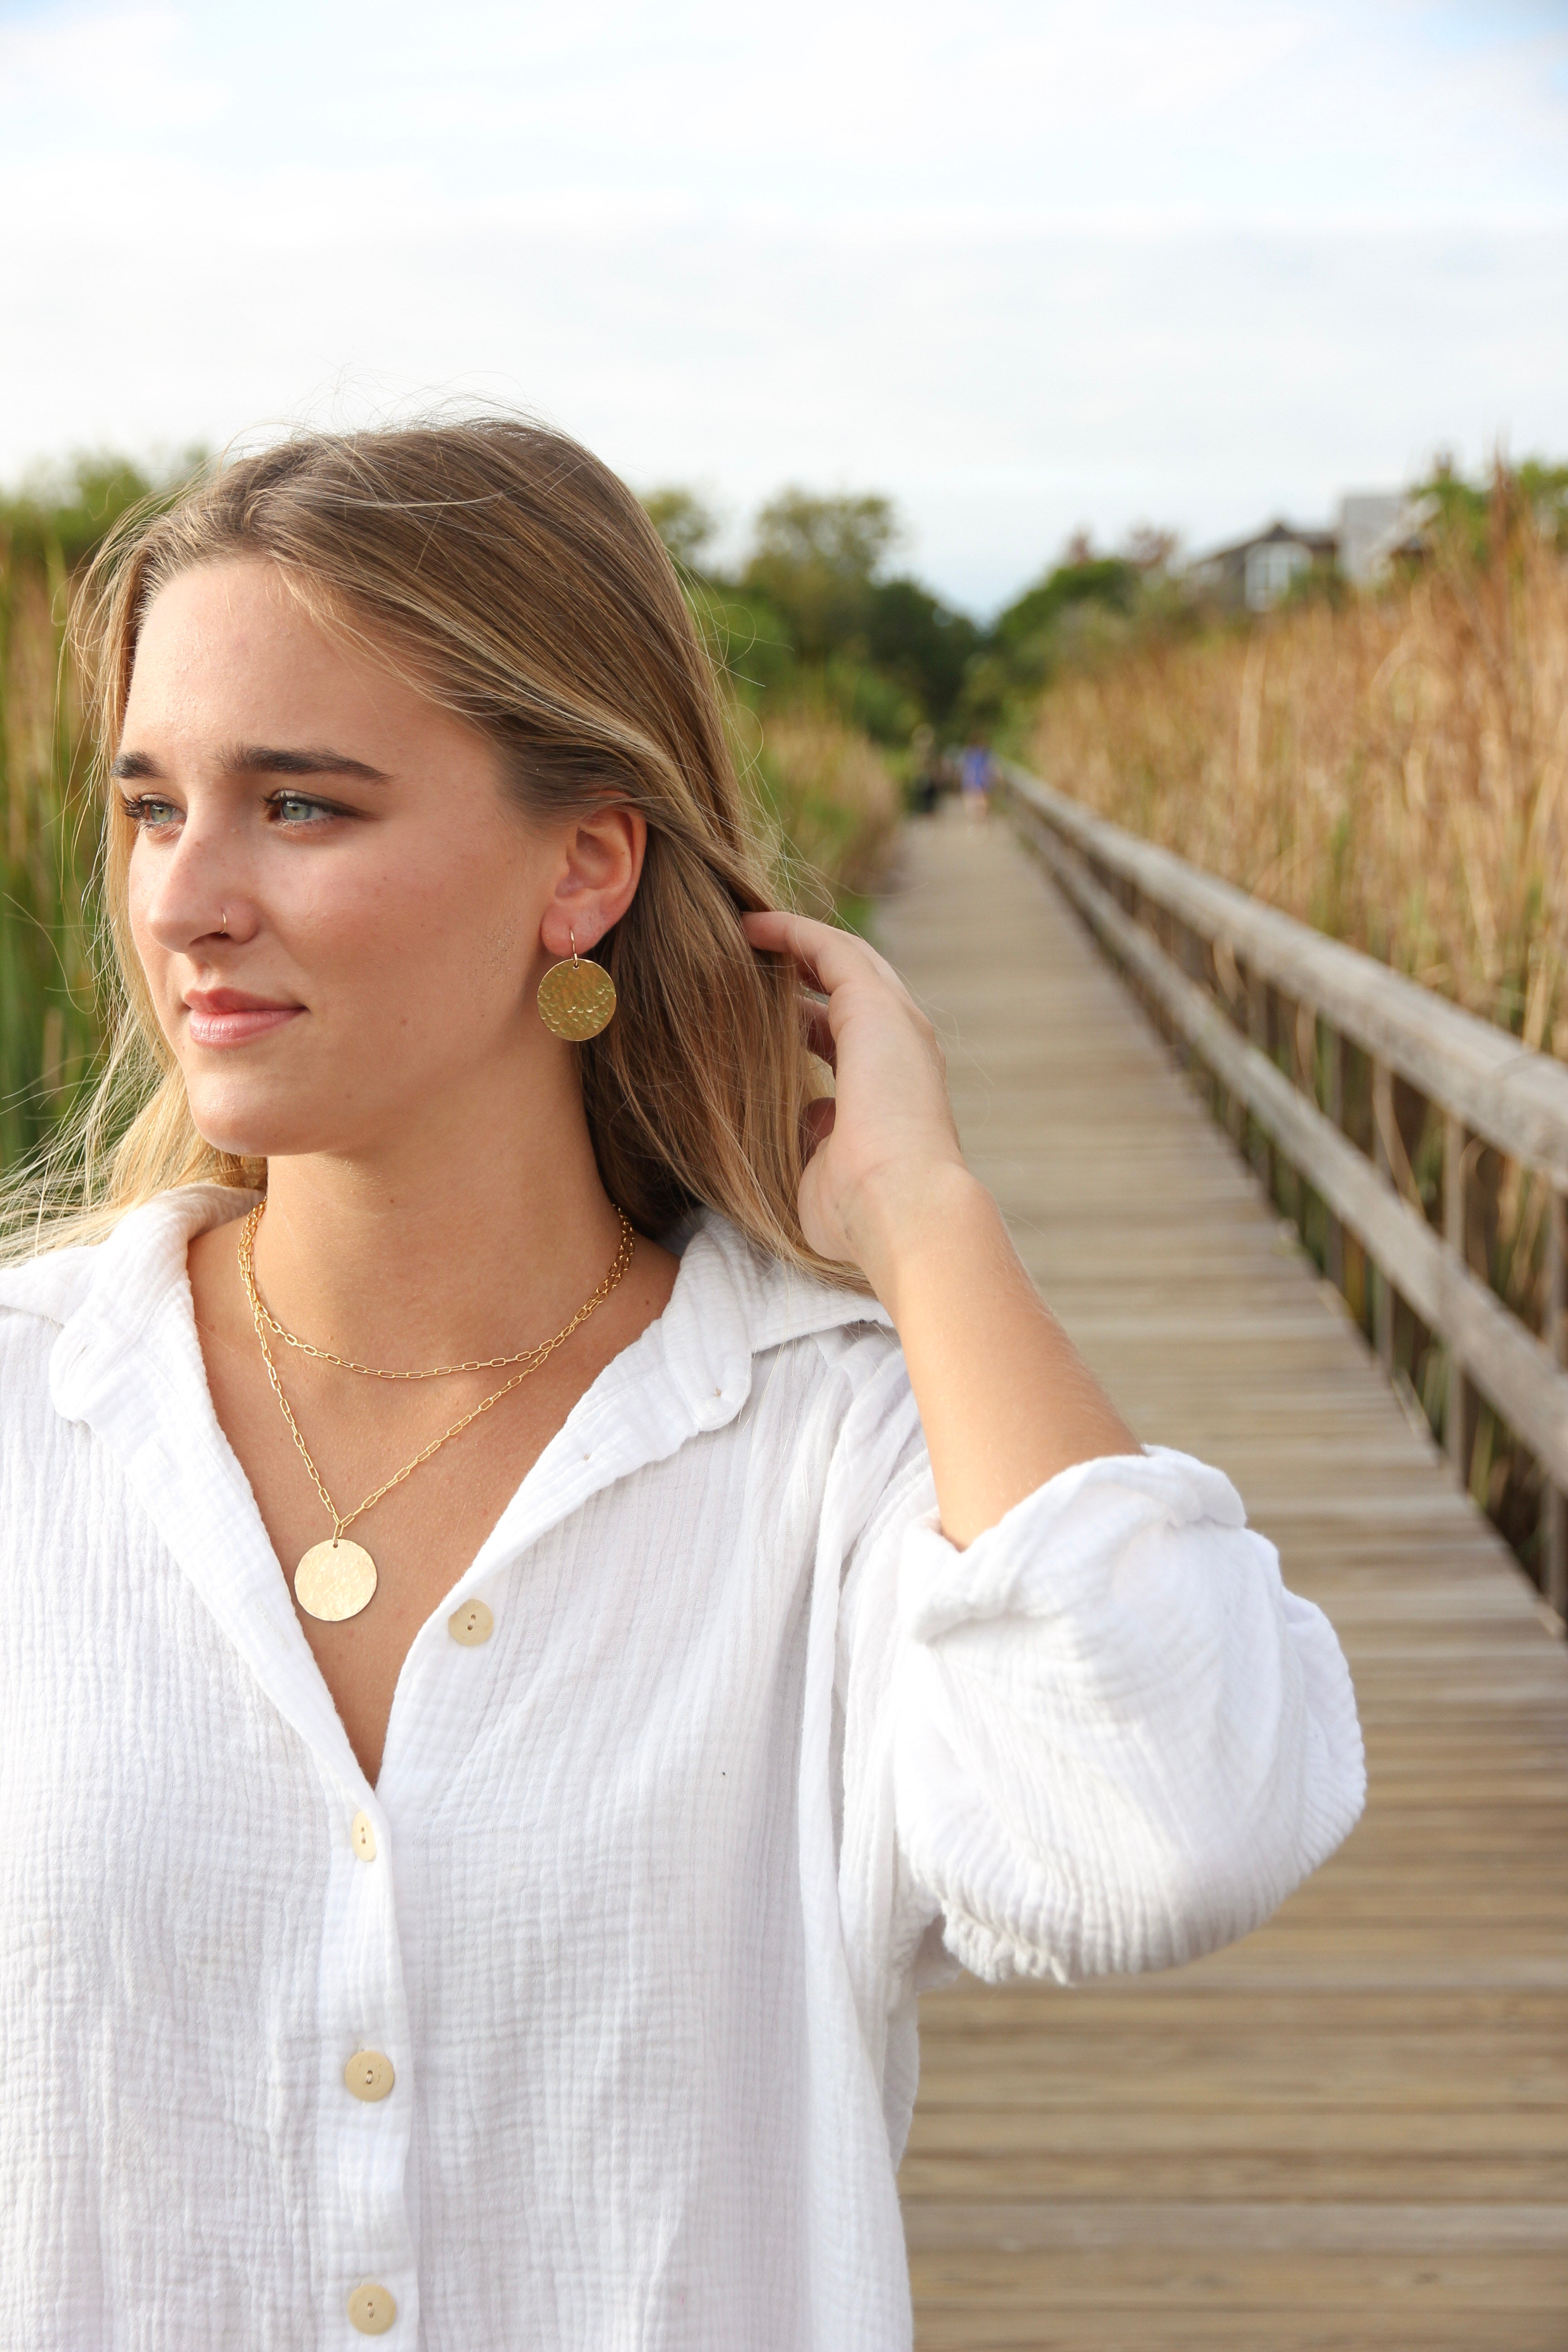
[522, 585]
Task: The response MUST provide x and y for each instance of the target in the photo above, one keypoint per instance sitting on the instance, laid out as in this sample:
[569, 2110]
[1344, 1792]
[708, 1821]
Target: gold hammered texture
[576, 1000]
[335, 1580]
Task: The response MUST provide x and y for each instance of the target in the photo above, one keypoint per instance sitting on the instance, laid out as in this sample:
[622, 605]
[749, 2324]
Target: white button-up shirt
[635, 1915]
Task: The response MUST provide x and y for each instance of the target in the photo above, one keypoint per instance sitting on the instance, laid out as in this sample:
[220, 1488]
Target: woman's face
[341, 918]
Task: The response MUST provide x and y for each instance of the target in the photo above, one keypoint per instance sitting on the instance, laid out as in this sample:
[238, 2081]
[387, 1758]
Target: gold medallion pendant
[335, 1579]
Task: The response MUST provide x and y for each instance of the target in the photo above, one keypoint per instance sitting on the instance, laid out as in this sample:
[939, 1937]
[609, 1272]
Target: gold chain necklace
[335, 1579]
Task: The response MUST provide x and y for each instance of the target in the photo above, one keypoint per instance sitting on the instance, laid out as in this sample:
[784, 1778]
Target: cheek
[152, 958]
[415, 931]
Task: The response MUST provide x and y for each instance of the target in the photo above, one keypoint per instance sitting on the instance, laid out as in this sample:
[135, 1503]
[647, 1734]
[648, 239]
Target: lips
[228, 1016]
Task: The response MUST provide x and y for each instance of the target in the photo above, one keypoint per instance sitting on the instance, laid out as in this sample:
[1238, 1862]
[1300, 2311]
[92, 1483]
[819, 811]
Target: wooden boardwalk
[1351, 2130]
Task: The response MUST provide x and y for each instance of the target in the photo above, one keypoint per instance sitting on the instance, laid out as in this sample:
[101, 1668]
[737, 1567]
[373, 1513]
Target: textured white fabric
[659, 1866]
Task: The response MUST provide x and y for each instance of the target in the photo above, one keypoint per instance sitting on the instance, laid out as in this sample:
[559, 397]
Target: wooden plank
[1156, 2276]
[1432, 2072]
[1226, 2226]
[1287, 2175]
[1533, 2137]
[1316, 2329]
[1350, 2131]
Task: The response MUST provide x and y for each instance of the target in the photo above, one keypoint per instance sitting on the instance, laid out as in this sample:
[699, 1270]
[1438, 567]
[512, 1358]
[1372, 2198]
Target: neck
[475, 1233]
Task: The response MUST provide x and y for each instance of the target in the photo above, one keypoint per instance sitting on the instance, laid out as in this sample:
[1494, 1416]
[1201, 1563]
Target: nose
[194, 897]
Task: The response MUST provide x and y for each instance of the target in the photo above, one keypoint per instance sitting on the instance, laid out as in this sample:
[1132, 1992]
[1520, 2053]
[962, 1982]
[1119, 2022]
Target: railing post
[1334, 1239]
[1555, 1578]
[1456, 1406]
[1382, 1288]
[1228, 980]
[1260, 1024]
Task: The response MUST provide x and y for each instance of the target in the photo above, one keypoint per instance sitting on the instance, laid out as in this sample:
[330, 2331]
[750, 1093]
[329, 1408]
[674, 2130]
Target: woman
[553, 1581]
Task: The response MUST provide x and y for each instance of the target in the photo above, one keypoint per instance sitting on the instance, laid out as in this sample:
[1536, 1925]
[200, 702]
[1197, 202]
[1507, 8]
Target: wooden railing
[1222, 972]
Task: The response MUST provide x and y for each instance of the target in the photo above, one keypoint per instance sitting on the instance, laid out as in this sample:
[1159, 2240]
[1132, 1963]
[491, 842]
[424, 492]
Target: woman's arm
[1005, 1399]
[1084, 1721]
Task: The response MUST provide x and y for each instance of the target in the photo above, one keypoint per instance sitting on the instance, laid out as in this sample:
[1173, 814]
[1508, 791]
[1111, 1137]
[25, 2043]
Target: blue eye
[294, 809]
[149, 813]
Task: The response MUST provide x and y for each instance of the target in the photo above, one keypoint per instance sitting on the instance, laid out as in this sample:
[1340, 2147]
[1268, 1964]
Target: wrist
[906, 1215]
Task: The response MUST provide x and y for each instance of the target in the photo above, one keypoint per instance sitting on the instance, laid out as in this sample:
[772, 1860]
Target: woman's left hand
[887, 1148]
[1005, 1400]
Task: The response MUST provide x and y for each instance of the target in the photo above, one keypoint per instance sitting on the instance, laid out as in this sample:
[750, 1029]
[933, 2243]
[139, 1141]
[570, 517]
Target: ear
[601, 864]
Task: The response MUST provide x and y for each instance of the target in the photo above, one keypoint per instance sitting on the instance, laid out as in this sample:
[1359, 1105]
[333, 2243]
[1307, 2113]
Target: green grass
[50, 1031]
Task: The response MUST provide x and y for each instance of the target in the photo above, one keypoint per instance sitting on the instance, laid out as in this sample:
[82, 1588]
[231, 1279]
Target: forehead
[222, 625]
[226, 649]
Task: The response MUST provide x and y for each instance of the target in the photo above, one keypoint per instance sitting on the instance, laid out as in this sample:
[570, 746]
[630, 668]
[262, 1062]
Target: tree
[922, 643]
[1151, 549]
[1108, 579]
[816, 560]
[683, 521]
[64, 512]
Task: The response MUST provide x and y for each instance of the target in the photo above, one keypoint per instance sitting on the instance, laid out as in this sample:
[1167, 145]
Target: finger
[781, 934]
[817, 1031]
[817, 1121]
[824, 954]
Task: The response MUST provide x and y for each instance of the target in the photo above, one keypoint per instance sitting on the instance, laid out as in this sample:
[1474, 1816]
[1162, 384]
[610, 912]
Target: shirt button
[372, 2309]
[369, 2077]
[472, 1624]
[361, 1835]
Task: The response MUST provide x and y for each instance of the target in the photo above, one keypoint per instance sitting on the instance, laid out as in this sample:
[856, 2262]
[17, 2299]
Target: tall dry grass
[832, 807]
[1393, 769]
[1394, 772]
[49, 1027]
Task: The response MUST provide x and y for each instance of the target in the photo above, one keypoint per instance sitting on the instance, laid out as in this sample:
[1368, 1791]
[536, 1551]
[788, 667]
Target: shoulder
[866, 1360]
[37, 1300]
[731, 1295]
[37, 1297]
[826, 1358]
[823, 1394]
[124, 1274]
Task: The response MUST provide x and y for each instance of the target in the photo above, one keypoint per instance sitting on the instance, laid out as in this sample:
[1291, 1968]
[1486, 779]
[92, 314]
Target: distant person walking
[925, 783]
[976, 774]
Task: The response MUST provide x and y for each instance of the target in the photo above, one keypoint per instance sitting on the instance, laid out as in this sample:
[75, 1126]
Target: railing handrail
[1513, 1096]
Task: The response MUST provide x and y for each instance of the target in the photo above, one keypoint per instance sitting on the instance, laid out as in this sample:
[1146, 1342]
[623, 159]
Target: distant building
[1255, 572]
[1376, 527]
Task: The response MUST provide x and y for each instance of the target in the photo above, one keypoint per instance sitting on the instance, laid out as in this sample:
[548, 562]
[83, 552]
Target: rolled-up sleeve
[1102, 1739]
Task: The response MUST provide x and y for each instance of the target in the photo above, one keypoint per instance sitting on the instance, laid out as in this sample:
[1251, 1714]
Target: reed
[831, 807]
[49, 834]
[1393, 770]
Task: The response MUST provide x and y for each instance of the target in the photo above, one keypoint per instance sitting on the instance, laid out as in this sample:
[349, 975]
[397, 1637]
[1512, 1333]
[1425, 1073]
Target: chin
[255, 1125]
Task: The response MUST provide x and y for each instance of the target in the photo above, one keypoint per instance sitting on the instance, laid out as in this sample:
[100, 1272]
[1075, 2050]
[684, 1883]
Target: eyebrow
[259, 759]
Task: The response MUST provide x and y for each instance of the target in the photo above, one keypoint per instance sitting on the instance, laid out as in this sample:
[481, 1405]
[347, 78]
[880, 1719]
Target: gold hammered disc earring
[576, 1000]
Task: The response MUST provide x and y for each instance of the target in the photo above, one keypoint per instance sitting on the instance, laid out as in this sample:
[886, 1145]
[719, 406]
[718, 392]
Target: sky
[1024, 267]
